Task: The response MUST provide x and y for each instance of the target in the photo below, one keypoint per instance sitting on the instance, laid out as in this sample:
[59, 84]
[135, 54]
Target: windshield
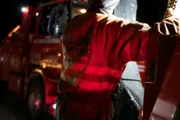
[55, 17]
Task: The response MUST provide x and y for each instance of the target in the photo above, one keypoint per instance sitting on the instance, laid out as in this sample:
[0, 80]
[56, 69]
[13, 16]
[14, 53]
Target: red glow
[37, 102]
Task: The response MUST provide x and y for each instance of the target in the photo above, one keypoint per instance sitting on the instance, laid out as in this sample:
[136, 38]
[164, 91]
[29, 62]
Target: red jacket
[97, 47]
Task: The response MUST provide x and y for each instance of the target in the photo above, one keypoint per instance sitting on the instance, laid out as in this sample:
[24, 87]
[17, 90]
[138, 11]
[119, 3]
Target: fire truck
[31, 63]
[31, 54]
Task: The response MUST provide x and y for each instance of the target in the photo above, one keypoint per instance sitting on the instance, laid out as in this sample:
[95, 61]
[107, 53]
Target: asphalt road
[13, 107]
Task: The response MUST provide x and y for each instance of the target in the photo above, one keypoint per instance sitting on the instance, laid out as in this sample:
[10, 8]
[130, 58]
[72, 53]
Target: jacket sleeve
[137, 41]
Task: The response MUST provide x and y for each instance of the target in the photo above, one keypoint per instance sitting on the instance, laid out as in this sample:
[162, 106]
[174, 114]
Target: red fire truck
[31, 63]
[31, 54]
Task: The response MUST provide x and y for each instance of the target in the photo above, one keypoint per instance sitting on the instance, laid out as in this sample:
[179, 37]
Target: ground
[13, 107]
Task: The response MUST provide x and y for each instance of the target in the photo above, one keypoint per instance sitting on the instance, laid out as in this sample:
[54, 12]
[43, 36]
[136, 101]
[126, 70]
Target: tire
[36, 97]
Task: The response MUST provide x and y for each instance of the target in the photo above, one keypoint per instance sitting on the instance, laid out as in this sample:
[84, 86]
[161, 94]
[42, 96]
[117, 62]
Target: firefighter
[97, 46]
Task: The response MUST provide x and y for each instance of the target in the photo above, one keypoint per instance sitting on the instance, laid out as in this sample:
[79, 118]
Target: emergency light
[24, 9]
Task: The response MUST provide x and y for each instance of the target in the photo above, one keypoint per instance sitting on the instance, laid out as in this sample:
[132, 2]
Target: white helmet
[106, 4]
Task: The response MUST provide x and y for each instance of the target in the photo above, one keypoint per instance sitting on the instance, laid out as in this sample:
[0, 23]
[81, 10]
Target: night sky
[10, 11]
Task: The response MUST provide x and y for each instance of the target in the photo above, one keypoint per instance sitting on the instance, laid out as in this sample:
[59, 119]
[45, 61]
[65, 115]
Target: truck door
[46, 51]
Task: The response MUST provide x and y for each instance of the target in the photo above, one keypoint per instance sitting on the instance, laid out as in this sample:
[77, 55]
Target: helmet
[106, 4]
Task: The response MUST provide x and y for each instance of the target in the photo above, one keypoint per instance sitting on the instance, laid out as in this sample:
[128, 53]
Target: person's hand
[171, 16]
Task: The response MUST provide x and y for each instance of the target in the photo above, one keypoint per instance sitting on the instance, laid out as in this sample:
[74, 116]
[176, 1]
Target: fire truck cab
[31, 54]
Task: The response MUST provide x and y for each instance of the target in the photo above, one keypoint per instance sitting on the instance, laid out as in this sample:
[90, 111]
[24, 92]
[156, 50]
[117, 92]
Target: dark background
[10, 14]
[149, 11]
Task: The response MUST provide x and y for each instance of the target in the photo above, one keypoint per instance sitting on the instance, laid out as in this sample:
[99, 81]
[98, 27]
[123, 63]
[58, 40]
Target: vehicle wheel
[36, 97]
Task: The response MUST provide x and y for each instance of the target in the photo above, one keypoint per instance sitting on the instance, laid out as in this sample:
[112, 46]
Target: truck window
[55, 17]
[53, 20]
[57, 20]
